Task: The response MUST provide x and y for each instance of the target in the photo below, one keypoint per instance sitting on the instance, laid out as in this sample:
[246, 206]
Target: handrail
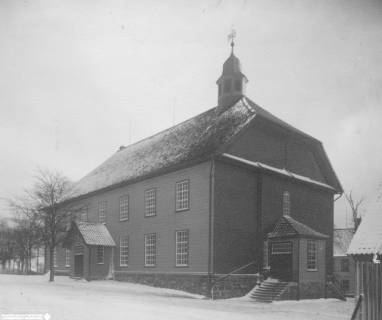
[229, 274]
[357, 307]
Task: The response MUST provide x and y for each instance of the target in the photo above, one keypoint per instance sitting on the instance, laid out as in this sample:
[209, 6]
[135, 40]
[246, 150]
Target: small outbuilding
[366, 249]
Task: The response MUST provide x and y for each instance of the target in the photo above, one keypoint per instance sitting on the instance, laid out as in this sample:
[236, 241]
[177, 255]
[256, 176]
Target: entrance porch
[92, 248]
[296, 254]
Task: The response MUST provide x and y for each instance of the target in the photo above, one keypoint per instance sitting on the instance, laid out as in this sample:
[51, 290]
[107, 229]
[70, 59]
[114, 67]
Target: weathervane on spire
[231, 37]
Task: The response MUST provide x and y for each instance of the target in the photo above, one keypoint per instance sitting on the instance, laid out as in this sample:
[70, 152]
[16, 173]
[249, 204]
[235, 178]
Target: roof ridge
[167, 129]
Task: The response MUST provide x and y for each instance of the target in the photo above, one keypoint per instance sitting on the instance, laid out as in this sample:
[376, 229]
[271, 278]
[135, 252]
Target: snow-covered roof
[193, 140]
[286, 227]
[283, 172]
[368, 238]
[341, 241]
[95, 234]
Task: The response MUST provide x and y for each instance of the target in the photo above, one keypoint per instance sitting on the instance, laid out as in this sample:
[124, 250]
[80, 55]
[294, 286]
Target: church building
[214, 204]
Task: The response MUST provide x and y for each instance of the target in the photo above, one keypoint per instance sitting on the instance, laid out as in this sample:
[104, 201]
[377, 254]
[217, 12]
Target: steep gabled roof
[368, 238]
[287, 227]
[196, 138]
[193, 140]
[341, 241]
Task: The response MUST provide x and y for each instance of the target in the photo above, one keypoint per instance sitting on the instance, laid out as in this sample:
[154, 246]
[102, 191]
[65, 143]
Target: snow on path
[72, 299]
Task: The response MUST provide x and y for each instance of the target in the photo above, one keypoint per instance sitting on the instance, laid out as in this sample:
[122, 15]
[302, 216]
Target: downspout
[259, 209]
[90, 262]
[211, 226]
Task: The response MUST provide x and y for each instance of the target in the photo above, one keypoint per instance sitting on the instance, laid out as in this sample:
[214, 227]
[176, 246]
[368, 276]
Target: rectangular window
[67, 257]
[123, 251]
[124, 208]
[55, 257]
[84, 214]
[150, 202]
[182, 194]
[344, 265]
[150, 249]
[181, 247]
[102, 211]
[345, 285]
[311, 255]
[286, 203]
[281, 248]
[100, 254]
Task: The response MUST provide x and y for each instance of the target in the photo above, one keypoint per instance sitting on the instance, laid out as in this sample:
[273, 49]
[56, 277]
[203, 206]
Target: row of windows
[150, 249]
[182, 202]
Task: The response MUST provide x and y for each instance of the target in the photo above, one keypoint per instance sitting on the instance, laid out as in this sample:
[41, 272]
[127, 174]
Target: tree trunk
[51, 263]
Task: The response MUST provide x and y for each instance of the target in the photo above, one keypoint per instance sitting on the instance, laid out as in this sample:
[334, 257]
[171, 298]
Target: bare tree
[40, 214]
[26, 230]
[48, 193]
[354, 206]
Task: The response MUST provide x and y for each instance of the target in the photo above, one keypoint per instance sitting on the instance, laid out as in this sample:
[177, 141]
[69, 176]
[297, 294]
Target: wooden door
[79, 266]
[281, 261]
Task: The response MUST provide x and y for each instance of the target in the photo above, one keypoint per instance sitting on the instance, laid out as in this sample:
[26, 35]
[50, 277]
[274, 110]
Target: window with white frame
[84, 214]
[150, 202]
[345, 266]
[123, 251]
[311, 256]
[182, 193]
[55, 257]
[182, 248]
[102, 211]
[286, 203]
[150, 249]
[124, 208]
[67, 257]
[100, 254]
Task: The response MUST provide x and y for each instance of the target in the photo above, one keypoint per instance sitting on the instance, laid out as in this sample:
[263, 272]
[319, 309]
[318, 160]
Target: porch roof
[287, 227]
[95, 234]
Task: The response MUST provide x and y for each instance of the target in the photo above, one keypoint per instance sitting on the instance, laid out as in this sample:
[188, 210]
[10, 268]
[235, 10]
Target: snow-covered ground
[77, 299]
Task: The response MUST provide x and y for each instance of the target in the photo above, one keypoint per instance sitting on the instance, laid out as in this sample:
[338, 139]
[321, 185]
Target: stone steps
[268, 291]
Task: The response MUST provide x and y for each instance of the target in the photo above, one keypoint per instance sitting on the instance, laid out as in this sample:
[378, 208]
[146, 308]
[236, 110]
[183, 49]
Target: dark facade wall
[164, 224]
[235, 242]
[96, 270]
[312, 279]
[236, 209]
[269, 145]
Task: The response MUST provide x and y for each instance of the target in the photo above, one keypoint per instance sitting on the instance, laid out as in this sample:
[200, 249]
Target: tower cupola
[232, 82]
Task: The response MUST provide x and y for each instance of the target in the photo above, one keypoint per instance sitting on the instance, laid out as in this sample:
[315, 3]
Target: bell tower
[232, 82]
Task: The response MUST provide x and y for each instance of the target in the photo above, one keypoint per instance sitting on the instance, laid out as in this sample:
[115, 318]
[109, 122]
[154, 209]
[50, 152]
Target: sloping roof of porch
[287, 227]
[93, 234]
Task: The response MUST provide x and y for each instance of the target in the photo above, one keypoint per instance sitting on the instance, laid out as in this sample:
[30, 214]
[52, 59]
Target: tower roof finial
[231, 37]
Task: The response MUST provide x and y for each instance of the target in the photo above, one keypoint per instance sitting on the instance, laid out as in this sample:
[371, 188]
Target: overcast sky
[79, 78]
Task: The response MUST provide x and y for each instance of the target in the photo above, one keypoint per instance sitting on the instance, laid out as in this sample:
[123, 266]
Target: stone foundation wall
[233, 286]
[290, 292]
[237, 285]
[312, 290]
